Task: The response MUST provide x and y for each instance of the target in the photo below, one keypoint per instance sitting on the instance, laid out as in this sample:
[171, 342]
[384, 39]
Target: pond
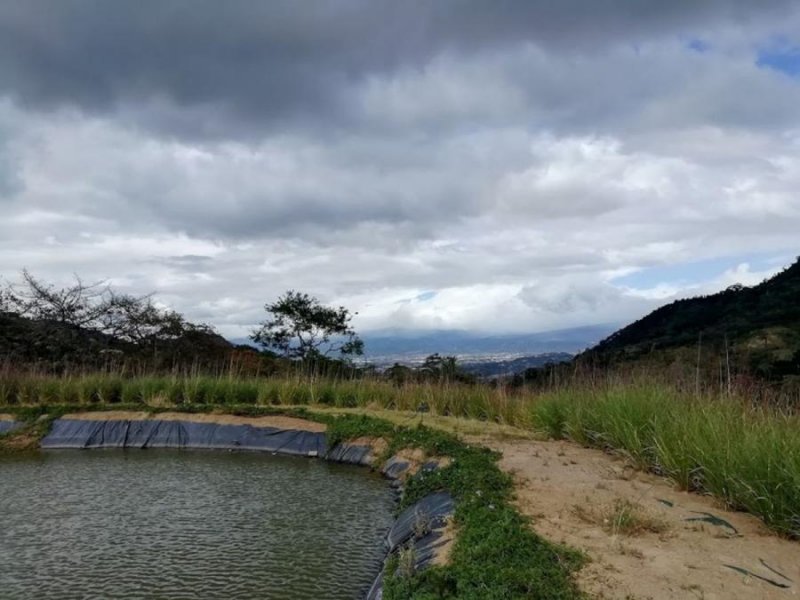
[188, 524]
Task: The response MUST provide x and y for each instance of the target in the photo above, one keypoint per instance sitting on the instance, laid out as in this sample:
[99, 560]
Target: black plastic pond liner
[395, 467]
[77, 433]
[419, 528]
[429, 513]
[353, 454]
[6, 426]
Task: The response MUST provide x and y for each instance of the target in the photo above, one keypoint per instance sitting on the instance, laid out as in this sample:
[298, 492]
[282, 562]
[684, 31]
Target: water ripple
[161, 524]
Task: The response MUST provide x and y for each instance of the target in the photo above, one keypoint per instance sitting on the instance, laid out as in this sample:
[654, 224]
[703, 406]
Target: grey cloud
[513, 157]
[207, 68]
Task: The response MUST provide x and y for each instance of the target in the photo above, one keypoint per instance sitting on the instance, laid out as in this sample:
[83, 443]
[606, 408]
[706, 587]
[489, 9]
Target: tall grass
[746, 454]
[470, 401]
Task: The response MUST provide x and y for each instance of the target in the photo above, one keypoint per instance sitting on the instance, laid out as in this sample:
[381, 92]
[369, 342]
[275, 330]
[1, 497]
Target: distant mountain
[759, 325]
[412, 346]
[500, 368]
[415, 345]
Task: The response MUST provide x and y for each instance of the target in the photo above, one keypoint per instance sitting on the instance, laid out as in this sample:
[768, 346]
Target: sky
[504, 166]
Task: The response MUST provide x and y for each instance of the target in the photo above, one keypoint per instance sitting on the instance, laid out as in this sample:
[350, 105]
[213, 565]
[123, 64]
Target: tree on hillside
[301, 327]
[139, 320]
[81, 323]
[79, 304]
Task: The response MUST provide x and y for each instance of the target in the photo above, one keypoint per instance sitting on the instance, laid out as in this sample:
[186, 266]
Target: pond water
[172, 524]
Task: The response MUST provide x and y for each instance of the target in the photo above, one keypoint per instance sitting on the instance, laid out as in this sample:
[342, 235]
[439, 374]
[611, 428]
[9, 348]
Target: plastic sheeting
[77, 433]
[429, 513]
[420, 527]
[6, 426]
[353, 454]
[395, 467]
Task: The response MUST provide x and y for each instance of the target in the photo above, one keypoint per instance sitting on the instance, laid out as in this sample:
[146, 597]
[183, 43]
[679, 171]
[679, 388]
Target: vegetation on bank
[748, 457]
[496, 554]
[744, 454]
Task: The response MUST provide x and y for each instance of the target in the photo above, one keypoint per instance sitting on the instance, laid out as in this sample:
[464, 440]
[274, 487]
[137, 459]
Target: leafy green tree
[301, 327]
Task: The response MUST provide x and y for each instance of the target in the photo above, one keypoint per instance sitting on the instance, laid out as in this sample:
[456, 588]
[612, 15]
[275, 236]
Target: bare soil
[276, 421]
[571, 493]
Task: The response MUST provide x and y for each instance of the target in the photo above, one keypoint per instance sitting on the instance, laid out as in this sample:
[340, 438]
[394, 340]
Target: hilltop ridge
[759, 326]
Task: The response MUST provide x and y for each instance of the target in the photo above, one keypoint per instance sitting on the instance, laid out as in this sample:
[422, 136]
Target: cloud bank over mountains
[504, 166]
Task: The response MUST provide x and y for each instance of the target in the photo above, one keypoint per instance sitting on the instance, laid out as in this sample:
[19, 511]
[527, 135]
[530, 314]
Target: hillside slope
[759, 325]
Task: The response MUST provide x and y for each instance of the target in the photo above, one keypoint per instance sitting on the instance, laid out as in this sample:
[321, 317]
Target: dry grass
[621, 518]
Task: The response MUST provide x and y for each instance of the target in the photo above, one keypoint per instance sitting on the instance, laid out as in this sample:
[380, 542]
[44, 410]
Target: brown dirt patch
[416, 458]
[21, 440]
[441, 555]
[5, 417]
[376, 445]
[277, 421]
[682, 559]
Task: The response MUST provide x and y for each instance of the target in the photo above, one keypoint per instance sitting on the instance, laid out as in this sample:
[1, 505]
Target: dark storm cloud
[197, 67]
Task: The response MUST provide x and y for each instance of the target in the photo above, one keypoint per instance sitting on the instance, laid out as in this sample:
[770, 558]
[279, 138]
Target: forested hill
[761, 322]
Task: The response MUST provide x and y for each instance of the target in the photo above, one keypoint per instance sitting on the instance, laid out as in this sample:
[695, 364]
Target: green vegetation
[496, 554]
[470, 401]
[91, 326]
[747, 457]
[741, 331]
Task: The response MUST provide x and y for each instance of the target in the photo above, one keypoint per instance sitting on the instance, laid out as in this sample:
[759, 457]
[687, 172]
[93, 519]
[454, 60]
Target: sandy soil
[5, 417]
[277, 421]
[559, 484]
[376, 445]
[444, 549]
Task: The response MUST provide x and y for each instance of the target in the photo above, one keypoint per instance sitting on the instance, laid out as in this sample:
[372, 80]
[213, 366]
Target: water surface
[172, 524]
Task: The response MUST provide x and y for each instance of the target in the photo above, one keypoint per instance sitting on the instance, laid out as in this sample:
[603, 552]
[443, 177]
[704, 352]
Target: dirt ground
[277, 421]
[571, 494]
[5, 417]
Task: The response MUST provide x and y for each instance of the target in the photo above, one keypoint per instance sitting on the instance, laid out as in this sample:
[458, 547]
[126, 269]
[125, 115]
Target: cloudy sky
[497, 166]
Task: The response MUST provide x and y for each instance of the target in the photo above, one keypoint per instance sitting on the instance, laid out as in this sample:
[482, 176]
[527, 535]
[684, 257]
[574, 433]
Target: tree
[80, 304]
[441, 367]
[137, 320]
[83, 323]
[301, 327]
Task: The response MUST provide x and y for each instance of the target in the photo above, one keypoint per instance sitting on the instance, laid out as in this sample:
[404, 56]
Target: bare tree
[139, 320]
[95, 307]
[80, 304]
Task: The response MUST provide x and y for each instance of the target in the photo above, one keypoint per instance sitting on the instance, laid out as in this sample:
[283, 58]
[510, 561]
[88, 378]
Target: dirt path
[585, 498]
